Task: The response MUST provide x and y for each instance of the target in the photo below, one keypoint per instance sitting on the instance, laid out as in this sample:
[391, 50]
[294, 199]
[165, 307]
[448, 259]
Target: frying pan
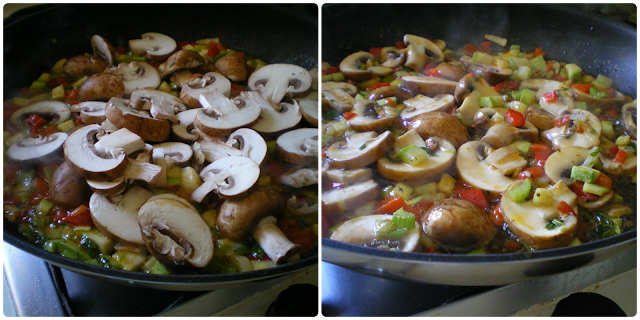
[597, 44]
[35, 38]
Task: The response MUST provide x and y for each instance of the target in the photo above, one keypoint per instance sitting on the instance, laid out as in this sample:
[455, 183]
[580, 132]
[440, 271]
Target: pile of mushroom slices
[150, 157]
[457, 145]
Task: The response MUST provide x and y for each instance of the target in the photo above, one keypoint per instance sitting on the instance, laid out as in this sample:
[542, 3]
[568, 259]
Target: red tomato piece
[348, 115]
[35, 120]
[559, 122]
[604, 180]
[79, 216]
[576, 187]
[375, 51]
[400, 45]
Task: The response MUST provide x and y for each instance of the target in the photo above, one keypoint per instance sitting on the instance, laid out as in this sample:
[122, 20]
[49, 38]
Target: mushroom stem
[274, 243]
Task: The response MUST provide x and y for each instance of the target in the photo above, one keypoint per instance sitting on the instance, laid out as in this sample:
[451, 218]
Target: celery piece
[574, 72]
[538, 63]
[403, 219]
[522, 146]
[57, 93]
[491, 101]
[607, 129]
[58, 66]
[594, 189]
[597, 93]
[584, 174]
[481, 57]
[382, 227]
[528, 97]
[395, 234]
[66, 126]
[521, 192]
[602, 82]
[139, 58]
[517, 106]
[412, 155]
[327, 77]
[592, 158]
[159, 268]
[542, 197]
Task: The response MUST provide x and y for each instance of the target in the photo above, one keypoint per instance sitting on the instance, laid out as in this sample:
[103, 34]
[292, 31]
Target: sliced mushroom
[369, 116]
[340, 95]
[361, 149]
[299, 146]
[88, 161]
[450, 71]
[558, 165]
[160, 104]
[55, 111]
[110, 187]
[444, 157]
[243, 142]
[363, 231]
[184, 130]
[422, 104]
[179, 153]
[502, 134]
[299, 178]
[182, 59]
[229, 177]
[83, 65]
[472, 82]
[615, 102]
[628, 166]
[120, 219]
[275, 81]
[417, 49]
[234, 66]
[136, 75]
[238, 216]
[351, 66]
[192, 89]
[222, 115]
[181, 77]
[439, 124]
[273, 118]
[174, 233]
[540, 118]
[91, 112]
[529, 222]
[348, 177]
[542, 86]
[400, 94]
[473, 169]
[492, 74]
[101, 87]
[309, 110]
[37, 148]
[428, 86]
[393, 58]
[337, 201]
[457, 225]
[123, 139]
[274, 243]
[103, 49]
[630, 116]
[569, 134]
[141, 123]
[157, 46]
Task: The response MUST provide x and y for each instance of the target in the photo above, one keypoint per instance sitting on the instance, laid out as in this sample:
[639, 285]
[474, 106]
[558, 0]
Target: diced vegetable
[574, 72]
[521, 192]
[413, 155]
[542, 197]
[403, 219]
[584, 174]
[594, 189]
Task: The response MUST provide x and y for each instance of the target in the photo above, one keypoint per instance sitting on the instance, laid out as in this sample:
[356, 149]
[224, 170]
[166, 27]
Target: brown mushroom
[141, 123]
[101, 87]
[428, 86]
[83, 65]
[67, 189]
[233, 66]
[238, 216]
[182, 59]
[440, 124]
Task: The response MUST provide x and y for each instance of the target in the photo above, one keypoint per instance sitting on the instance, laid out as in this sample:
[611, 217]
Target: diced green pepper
[528, 97]
[522, 146]
[607, 129]
[491, 101]
[602, 82]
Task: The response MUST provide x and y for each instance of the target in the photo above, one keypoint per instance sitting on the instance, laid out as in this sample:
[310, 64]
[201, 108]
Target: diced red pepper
[475, 196]
[496, 216]
[389, 205]
[375, 51]
[390, 102]
[71, 94]
[182, 44]
[8, 109]
[550, 96]
[516, 118]
[540, 148]
[534, 172]
[538, 52]
[79, 216]
[621, 156]
[549, 66]
[35, 120]
[612, 113]
[604, 181]
[433, 72]
[613, 150]
[511, 245]
[512, 85]
[576, 187]
[40, 185]
[565, 208]
[559, 122]
[400, 45]
[377, 85]
[330, 70]
[415, 211]
[348, 115]
[582, 87]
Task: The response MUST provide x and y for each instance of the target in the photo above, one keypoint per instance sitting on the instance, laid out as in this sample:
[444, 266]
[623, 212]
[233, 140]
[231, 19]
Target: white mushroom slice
[502, 134]
[275, 81]
[613, 102]
[192, 89]
[542, 86]
[491, 73]
[369, 116]
[157, 46]
[139, 122]
[348, 177]
[529, 222]
[567, 135]
[174, 232]
[184, 130]
[136, 75]
[558, 165]
[444, 157]
[143, 171]
[160, 104]
[393, 58]
[222, 115]
[90, 162]
[120, 220]
[469, 108]
[103, 49]
[422, 104]
[428, 86]
[121, 139]
[363, 231]
[630, 116]
[627, 167]
[299, 146]
[506, 160]
[230, 177]
[55, 111]
[300, 178]
[409, 138]
[475, 172]
[361, 149]
[91, 112]
[179, 153]
[340, 95]
[417, 48]
[301, 207]
[380, 71]
[273, 118]
[351, 66]
[274, 243]
[470, 82]
[243, 142]
[337, 201]
[38, 148]
[107, 126]
[309, 110]
[108, 188]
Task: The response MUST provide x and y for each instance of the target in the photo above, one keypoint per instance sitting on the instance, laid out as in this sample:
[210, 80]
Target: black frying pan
[597, 44]
[35, 38]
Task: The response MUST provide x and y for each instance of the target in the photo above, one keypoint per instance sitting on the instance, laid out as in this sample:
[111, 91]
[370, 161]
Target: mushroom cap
[182, 59]
[37, 148]
[457, 225]
[230, 176]
[472, 169]
[337, 201]
[362, 231]
[120, 220]
[471, 82]
[369, 116]
[390, 91]
[422, 104]
[222, 115]
[350, 66]
[101, 87]
[157, 46]
[83, 65]
[238, 216]
[192, 89]
[275, 81]
[615, 102]
[67, 189]
[440, 124]
[90, 162]
[558, 165]
[428, 86]
[417, 48]
[309, 110]
[174, 232]
[243, 142]
[362, 149]
[233, 65]
[339, 95]
[110, 187]
[55, 111]
[393, 58]
[137, 75]
[445, 156]
[103, 49]
[180, 153]
[141, 123]
[450, 71]
[299, 146]
[529, 222]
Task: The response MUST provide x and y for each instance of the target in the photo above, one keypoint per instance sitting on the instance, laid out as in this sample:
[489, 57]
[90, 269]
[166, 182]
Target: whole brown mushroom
[440, 124]
[67, 189]
[83, 65]
[238, 216]
[101, 87]
[233, 66]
